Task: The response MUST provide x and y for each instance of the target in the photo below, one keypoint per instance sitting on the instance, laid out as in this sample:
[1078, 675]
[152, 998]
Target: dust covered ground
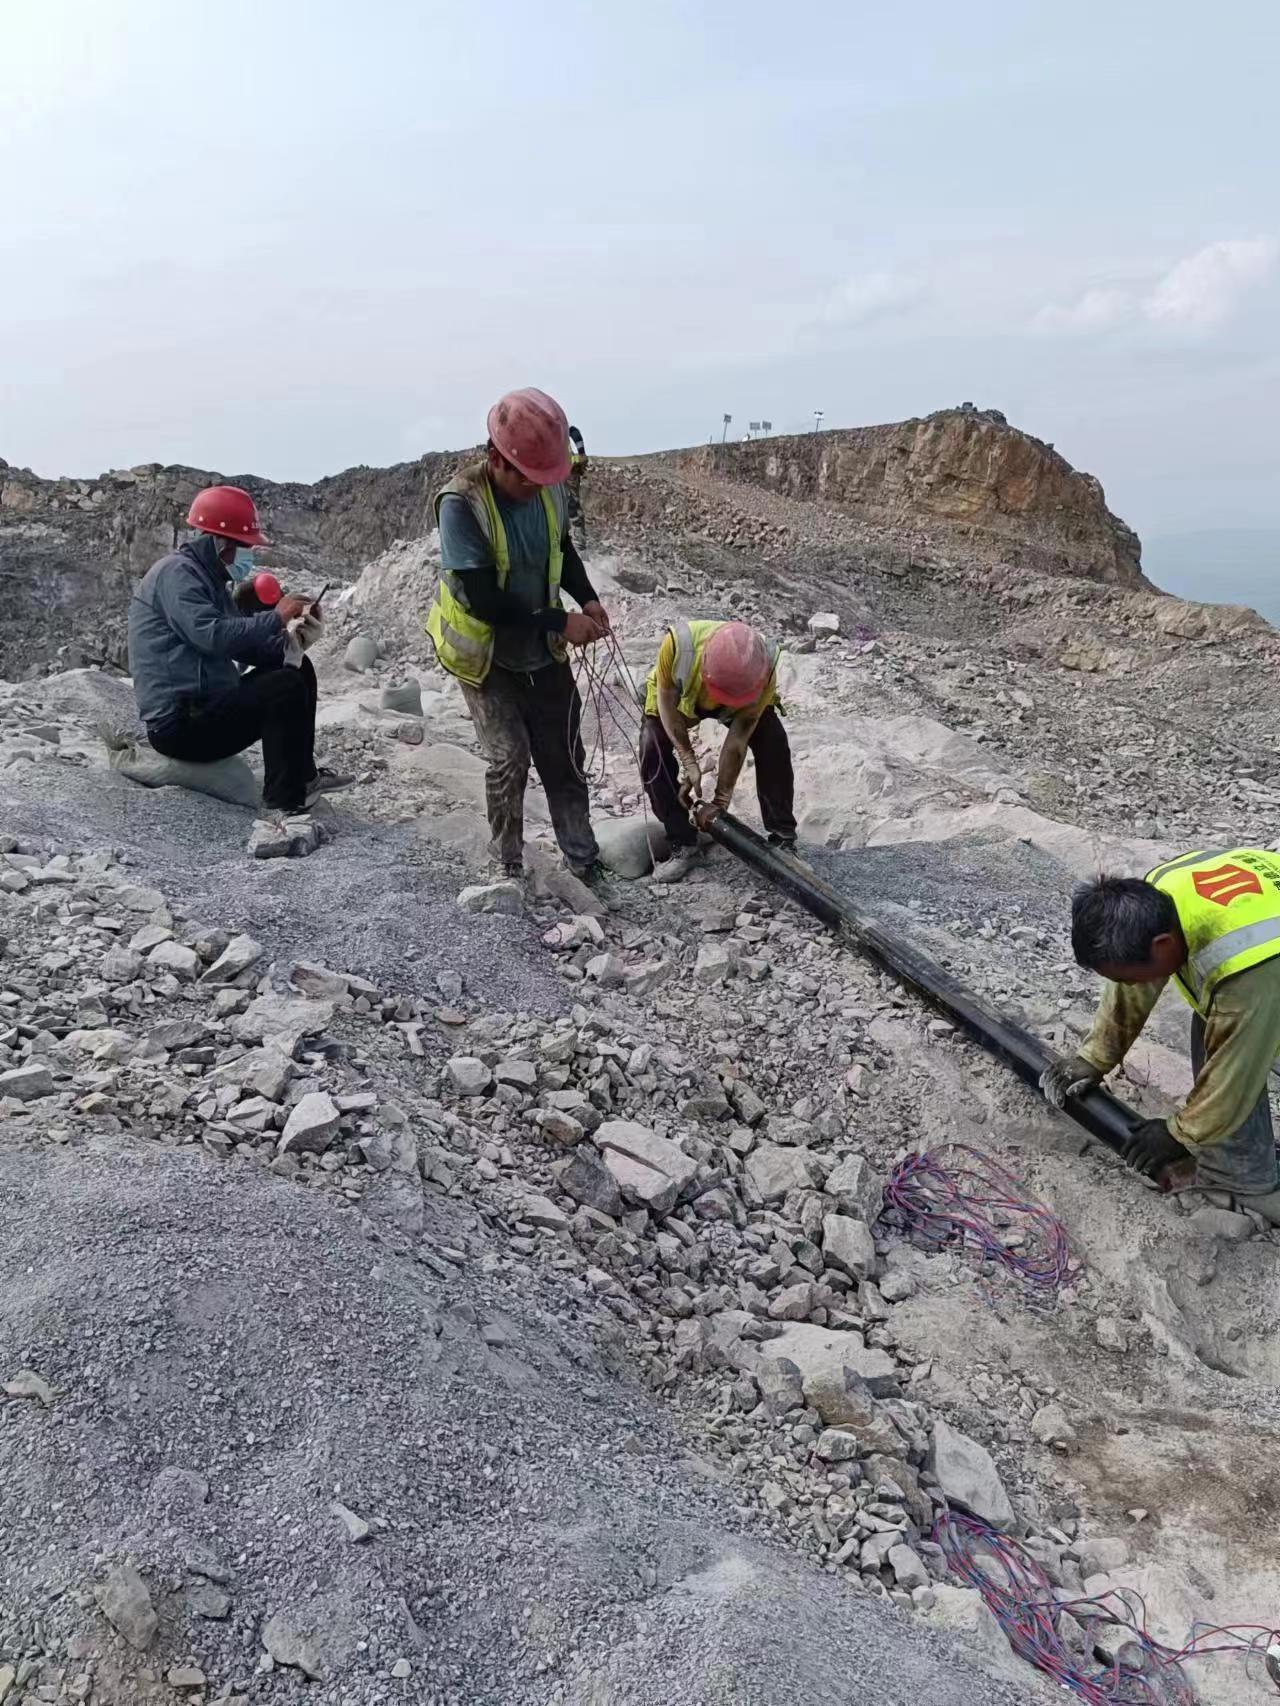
[571, 1469]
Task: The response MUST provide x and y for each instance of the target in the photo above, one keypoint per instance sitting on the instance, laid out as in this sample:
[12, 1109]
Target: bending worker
[1211, 923]
[722, 670]
[189, 646]
[499, 626]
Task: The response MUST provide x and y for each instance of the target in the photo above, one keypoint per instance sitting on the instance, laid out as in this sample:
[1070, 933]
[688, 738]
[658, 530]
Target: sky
[283, 239]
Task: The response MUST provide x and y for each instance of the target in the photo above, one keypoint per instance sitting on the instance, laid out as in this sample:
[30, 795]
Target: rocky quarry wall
[963, 476]
[961, 484]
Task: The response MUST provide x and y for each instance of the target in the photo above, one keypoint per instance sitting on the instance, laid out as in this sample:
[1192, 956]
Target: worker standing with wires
[498, 624]
[727, 672]
[1210, 922]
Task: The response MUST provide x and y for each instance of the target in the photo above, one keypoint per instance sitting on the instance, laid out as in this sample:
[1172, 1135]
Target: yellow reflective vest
[464, 644]
[1228, 906]
[691, 642]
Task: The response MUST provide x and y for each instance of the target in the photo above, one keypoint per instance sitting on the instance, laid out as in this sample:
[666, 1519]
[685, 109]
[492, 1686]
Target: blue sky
[283, 239]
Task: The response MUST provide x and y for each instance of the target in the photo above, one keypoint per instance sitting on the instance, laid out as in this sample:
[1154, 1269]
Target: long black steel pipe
[1103, 1115]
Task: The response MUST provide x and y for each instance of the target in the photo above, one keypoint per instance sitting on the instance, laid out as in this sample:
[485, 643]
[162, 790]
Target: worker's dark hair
[1114, 921]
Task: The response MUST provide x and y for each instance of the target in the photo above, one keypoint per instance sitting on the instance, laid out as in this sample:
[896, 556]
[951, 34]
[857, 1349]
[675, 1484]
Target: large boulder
[822, 1354]
[230, 779]
[773, 1169]
[968, 1477]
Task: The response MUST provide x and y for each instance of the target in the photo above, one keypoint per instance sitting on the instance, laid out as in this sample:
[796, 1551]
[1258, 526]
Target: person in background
[1210, 924]
[725, 671]
[499, 626]
[578, 465]
[190, 648]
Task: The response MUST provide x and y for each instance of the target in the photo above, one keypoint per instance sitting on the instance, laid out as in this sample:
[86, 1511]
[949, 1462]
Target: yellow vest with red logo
[1228, 906]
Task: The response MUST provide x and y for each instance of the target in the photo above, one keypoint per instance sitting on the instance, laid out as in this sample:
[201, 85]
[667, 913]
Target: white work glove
[1073, 1075]
[690, 780]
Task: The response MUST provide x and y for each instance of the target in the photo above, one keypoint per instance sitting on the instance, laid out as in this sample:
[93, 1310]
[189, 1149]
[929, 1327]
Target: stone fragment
[781, 1387]
[293, 1644]
[506, 896]
[185, 1677]
[125, 1602]
[1050, 1425]
[240, 953]
[283, 837]
[832, 1362]
[1222, 1223]
[1112, 1334]
[716, 961]
[608, 970]
[908, 1570]
[182, 963]
[640, 1184]
[467, 1076]
[897, 1286]
[968, 1477]
[847, 1246]
[962, 1612]
[629, 1137]
[837, 1445]
[793, 1303]
[541, 1211]
[318, 982]
[401, 1670]
[824, 622]
[773, 1169]
[357, 1528]
[26, 1083]
[312, 1125]
[519, 1074]
[1101, 1556]
[857, 1190]
[28, 1384]
[208, 1600]
[584, 1177]
[283, 1020]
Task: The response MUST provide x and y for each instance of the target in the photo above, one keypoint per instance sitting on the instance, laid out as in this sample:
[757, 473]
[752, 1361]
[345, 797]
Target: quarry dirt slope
[344, 1331]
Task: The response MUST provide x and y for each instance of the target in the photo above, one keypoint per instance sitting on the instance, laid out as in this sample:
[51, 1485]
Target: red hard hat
[266, 588]
[532, 431]
[735, 665]
[227, 511]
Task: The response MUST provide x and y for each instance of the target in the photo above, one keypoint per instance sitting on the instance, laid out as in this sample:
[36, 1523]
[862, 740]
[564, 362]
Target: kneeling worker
[1211, 922]
[188, 641]
[498, 624]
[722, 670]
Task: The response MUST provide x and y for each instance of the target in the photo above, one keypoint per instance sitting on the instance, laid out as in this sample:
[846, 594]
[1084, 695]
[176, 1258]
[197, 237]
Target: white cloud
[870, 296]
[1205, 288]
[1094, 312]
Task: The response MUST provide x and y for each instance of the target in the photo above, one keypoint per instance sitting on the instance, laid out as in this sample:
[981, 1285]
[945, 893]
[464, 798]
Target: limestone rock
[629, 1137]
[229, 779]
[847, 1245]
[291, 1643]
[506, 896]
[467, 1076]
[240, 953]
[126, 1604]
[968, 1477]
[283, 1020]
[182, 963]
[823, 1355]
[824, 622]
[773, 1169]
[584, 1177]
[1050, 1425]
[26, 1083]
[312, 1125]
[857, 1190]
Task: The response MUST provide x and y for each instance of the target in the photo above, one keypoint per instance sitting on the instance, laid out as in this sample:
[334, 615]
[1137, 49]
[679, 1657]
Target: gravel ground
[379, 900]
[230, 1355]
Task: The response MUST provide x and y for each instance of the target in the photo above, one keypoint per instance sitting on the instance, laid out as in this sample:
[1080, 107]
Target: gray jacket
[186, 635]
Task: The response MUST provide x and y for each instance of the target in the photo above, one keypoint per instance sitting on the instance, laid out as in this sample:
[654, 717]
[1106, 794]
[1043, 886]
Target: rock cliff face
[70, 550]
[962, 477]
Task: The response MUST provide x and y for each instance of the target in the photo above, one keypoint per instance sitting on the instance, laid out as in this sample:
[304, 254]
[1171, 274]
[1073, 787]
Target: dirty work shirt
[1241, 1042]
[463, 546]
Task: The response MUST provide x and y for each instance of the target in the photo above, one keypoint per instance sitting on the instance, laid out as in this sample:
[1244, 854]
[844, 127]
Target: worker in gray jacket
[189, 646]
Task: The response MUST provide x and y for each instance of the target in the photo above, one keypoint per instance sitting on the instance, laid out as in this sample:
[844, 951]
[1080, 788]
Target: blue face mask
[241, 565]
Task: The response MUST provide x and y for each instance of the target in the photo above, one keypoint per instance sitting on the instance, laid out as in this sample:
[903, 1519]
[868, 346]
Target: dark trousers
[1245, 1162]
[533, 718]
[274, 705]
[775, 780]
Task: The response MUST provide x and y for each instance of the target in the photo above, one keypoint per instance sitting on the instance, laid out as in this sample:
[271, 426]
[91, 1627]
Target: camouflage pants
[535, 718]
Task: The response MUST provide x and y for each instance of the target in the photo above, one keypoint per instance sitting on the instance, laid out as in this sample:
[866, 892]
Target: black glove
[1151, 1148]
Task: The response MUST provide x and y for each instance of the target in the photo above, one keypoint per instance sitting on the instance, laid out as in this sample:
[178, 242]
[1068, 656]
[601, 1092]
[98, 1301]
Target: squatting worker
[190, 645]
[1211, 923]
[499, 626]
[726, 671]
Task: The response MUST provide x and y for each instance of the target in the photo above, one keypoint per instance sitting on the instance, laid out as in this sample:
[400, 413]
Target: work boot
[596, 877]
[785, 843]
[677, 866]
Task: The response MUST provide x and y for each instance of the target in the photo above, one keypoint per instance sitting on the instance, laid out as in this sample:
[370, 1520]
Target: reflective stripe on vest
[464, 643]
[1228, 906]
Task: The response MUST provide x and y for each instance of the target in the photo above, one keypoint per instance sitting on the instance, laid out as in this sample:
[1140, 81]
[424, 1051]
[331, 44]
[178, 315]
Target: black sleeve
[573, 576]
[487, 600]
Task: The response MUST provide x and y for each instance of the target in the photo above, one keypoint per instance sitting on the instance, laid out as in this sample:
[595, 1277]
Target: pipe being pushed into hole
[1101, 1114]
